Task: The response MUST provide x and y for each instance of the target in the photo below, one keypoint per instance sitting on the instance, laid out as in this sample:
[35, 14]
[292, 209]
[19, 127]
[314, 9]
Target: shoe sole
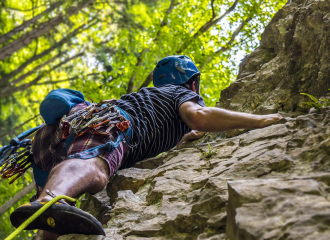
[60, 219]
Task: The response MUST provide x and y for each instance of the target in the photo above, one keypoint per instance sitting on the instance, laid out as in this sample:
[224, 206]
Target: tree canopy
[107, 48]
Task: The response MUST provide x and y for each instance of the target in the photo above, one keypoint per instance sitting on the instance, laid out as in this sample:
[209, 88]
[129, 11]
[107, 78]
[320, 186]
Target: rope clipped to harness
[16, 158]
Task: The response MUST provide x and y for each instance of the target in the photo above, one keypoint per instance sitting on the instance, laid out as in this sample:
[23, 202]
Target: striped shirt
[156, 122]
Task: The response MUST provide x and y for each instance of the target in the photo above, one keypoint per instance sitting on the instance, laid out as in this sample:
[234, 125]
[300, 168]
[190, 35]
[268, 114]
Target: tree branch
[65, 80]
[200, 31]
[28, 23]
[45, 27]
[22, 77]
[9, 90]
[131, 80]
[148, 80]
[16, 198]
[139, 62]
[24, 10]
[213, 12]
[19, 126]
[237, 31]
[5, 79]
[213, 21]
[230, 42]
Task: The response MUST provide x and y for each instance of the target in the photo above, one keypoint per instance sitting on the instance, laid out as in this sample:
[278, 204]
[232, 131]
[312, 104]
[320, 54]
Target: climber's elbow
[193, 115]
[198, 120]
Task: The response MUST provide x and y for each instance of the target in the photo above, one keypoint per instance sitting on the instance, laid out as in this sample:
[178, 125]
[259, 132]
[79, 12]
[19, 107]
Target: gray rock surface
[98, 206]
[270, 183]
[293, 58]
[278, 209]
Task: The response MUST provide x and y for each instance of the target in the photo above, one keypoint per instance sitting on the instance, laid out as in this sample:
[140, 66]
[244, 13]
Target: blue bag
[59, 103]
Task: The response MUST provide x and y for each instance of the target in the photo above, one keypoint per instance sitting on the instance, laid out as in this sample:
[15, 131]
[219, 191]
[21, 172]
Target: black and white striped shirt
[155, 120]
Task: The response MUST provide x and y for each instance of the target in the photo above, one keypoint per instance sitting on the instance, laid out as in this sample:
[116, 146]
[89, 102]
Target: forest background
[107, 48]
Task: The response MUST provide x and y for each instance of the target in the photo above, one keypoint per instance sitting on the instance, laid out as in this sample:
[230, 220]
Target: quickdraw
[17, 163]
[95, 117]
[122, 126]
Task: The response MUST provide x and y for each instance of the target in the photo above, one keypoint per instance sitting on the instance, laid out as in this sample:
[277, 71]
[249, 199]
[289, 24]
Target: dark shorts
[49, 147]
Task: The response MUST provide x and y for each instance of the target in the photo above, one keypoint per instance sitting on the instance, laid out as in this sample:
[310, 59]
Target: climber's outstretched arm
[211, 119]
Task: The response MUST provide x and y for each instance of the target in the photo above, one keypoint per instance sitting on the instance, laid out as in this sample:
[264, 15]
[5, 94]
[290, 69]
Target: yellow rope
[89, 198]
[37, 214]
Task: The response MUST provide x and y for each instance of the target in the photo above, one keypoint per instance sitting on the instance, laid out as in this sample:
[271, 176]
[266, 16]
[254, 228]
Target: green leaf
[311, 97]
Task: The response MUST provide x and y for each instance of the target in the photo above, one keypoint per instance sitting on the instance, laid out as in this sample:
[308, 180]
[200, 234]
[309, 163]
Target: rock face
[270, 183]
[293, 58]
[278, 209]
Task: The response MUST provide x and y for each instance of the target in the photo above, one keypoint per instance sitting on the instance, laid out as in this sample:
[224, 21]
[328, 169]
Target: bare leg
[75, 177]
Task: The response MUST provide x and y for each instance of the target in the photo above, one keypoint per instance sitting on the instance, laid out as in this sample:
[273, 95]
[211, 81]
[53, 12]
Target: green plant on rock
[316, 103]
[209, 153]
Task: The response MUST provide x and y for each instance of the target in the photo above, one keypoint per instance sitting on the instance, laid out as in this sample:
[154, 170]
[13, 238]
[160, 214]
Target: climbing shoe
[60, 218]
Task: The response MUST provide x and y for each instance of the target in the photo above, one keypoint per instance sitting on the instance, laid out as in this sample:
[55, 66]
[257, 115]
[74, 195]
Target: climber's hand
[193, 135]
[266, 120]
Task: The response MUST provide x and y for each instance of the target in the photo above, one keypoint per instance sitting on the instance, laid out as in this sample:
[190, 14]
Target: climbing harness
[104, 114]
[101, 118]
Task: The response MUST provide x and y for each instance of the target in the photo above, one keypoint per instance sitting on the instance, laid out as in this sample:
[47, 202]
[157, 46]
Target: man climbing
[159, 117]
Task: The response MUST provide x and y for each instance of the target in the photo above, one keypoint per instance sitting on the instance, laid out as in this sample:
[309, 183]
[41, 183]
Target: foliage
[209, 153]
[7, 192]
[316, 103]
[109, 48]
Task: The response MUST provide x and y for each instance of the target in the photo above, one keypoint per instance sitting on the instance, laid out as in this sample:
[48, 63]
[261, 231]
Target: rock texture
[98, 205]
[293, 58]
[270, 183]
[278, 209]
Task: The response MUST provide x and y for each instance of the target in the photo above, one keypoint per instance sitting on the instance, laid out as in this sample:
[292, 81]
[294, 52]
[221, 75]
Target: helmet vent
[157, 66]
[163, 64]
[161, 76]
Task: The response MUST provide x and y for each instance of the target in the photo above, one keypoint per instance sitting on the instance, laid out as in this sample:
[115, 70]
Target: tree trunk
[5, 79]
[41, 30]
[16, 198]
[26, 24]
[9, 90]
[139, 63]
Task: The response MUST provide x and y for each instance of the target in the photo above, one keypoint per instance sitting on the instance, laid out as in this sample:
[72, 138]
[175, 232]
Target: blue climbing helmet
[177, 69]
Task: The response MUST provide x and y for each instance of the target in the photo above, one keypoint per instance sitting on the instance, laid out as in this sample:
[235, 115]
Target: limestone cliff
[270, 183]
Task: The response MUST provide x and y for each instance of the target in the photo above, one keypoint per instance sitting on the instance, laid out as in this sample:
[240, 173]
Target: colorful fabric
[155, 119]
[90, 140]
[49, 148]
[124, 135]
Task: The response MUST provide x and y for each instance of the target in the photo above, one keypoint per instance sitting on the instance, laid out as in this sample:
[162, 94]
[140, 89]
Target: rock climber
[159, 117]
